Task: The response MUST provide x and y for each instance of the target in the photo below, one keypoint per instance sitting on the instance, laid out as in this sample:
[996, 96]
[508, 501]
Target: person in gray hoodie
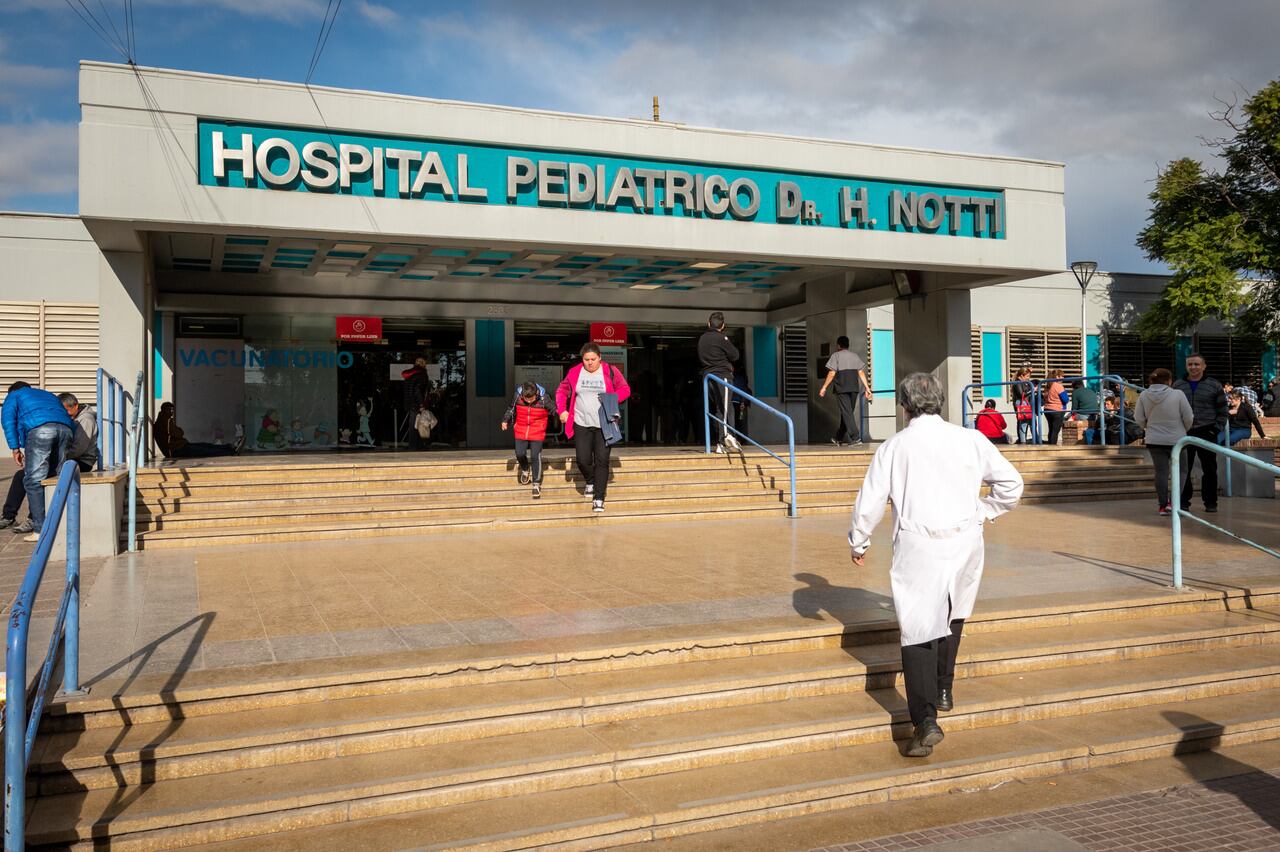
[1166, 416]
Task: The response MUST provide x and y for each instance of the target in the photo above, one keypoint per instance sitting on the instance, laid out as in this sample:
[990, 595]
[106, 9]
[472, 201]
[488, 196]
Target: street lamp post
[1083, 271]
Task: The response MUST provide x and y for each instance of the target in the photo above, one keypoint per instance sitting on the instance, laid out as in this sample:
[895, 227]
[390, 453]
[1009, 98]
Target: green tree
[1219, 231]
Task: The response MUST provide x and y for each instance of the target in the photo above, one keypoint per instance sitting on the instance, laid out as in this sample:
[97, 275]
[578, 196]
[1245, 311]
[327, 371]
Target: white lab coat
[932, 472]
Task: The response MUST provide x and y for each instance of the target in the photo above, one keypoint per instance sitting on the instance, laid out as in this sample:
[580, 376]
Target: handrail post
[108, 424]
[71, 637]
[137, 452]
[706, 412]
[1175, 474]
[1225, 440]
[15, 728]
[119, 430]
[102, 409]
[791, 449]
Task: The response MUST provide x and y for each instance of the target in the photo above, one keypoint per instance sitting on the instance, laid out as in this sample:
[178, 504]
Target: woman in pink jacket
[578, 402]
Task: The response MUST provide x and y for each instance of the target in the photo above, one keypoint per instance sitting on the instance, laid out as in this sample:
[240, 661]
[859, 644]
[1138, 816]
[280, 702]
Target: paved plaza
[163, 618]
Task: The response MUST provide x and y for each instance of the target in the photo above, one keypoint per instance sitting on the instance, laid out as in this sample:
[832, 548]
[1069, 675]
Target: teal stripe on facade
[764, 352]
[157, 364]
[491, 358]
[1181, 349]
[992, 361]
[1093, 355]
[883, 379]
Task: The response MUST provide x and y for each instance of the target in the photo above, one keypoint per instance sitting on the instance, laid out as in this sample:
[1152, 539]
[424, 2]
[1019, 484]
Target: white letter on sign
[243, 154]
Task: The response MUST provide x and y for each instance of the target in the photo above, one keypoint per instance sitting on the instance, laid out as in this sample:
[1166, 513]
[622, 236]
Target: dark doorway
[373, 381]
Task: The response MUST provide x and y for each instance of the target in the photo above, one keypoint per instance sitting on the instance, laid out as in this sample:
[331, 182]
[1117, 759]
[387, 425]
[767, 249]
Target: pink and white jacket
[614, 382]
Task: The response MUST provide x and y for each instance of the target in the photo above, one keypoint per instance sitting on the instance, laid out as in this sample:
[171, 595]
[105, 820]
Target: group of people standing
[43, 431]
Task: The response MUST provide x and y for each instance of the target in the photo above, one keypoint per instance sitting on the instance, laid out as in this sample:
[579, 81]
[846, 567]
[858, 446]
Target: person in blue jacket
[39, 431]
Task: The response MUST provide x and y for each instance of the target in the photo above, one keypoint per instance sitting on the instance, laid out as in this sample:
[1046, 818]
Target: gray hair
[921, 393]
[68, 399]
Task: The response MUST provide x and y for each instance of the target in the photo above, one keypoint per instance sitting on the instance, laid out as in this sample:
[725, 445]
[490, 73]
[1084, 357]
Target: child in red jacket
[530, 411]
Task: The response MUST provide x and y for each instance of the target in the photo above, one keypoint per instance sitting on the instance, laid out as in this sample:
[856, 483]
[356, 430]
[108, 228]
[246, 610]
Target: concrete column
[931, 335]
[124, 304]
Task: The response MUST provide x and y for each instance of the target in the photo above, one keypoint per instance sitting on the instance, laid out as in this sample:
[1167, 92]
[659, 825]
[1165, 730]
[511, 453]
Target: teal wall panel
[992, 361]
[491, 358]
[1269, 364]
[764, 351]
[1183, 347]
[883, 380]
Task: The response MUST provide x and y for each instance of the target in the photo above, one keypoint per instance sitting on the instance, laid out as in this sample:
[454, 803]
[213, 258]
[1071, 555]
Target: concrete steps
[250, 501]
[627, 743]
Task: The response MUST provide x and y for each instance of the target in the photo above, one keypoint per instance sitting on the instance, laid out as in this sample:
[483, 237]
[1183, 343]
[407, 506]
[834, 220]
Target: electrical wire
[121, 40]
[92, 23]
[322, 37]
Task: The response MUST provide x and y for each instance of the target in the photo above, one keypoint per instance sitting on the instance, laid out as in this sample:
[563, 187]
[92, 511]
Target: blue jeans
[1024, 431]
[46, 448]
[1240, 435]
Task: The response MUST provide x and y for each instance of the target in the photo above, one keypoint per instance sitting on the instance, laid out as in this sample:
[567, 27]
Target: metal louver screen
[52, 345]
[1231, 359]
[975, 356]
[1132, 359]
[795, 363]
[1045, 349]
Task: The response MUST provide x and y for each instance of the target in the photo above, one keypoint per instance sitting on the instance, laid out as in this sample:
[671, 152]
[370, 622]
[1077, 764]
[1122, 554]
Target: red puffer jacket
[531, 421]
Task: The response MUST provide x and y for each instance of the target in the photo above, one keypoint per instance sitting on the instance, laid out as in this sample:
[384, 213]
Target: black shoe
[927, 735]
[944, 700]
[1211, 509]
[1186, 507]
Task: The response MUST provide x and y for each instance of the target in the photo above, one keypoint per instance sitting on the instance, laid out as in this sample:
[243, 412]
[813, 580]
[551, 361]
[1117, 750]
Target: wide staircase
[316, 497]
[634, 740]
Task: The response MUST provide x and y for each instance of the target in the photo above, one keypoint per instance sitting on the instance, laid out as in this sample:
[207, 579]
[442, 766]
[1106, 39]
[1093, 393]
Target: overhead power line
[91, 21]
[322, 37]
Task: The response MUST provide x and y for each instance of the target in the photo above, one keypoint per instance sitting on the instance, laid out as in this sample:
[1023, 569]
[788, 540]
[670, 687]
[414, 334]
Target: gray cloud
[1111, 89]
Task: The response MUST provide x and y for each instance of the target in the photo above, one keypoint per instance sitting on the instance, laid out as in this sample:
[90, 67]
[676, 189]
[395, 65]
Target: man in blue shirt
[39, 431]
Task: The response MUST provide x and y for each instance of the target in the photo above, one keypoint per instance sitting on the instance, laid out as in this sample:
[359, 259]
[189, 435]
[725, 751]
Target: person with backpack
[1023, 412]
[528, 415]
[587, 391]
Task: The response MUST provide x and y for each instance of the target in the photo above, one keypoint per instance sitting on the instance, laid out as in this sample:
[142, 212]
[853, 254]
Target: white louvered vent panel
[19, 344]
[71, 350]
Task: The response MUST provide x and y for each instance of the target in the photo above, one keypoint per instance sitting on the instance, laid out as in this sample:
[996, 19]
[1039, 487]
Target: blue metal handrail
[137, 450]
[111, 421]
[791, 428]
[1179, 513]
[19, 727]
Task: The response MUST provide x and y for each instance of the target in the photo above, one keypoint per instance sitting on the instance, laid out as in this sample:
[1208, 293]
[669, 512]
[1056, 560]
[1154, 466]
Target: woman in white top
[578, 402]
[1166, 416]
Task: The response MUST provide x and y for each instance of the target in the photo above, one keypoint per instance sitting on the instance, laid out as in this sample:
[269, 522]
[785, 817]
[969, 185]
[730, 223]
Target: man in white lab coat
[932, 472]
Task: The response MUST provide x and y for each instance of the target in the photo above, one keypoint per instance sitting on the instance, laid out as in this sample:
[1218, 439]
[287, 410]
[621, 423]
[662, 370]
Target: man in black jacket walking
[1209, 417]
[717, 353]
[417, 392]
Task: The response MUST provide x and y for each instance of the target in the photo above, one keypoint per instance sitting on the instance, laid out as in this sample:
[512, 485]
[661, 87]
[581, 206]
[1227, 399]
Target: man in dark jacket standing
[717, 353]
[417, 389]
[39, 431]
[1209, 417]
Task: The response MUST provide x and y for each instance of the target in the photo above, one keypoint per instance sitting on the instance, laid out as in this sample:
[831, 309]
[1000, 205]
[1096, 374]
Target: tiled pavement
[1241, 812]
[174, 611]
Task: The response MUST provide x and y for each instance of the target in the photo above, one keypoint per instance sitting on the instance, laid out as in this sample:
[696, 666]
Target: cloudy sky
[1112, 88]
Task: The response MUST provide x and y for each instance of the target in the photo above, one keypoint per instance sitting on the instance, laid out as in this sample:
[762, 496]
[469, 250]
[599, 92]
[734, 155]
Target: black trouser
[928, 667]
[1208, 468]
[718, 400]
[529, 454]
[1055, 419]
[593, 457]
[1161, 460]
[848, 403]
[17, 493]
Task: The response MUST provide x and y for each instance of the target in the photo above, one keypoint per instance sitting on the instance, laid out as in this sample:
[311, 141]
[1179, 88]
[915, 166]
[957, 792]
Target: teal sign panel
[299, 159]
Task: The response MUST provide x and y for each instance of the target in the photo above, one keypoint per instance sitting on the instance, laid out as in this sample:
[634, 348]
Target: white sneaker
[597, 505]
[731, 443]
[34, 537]
[720, 449]
[588, 491]
[525, 477]
[537, 491]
